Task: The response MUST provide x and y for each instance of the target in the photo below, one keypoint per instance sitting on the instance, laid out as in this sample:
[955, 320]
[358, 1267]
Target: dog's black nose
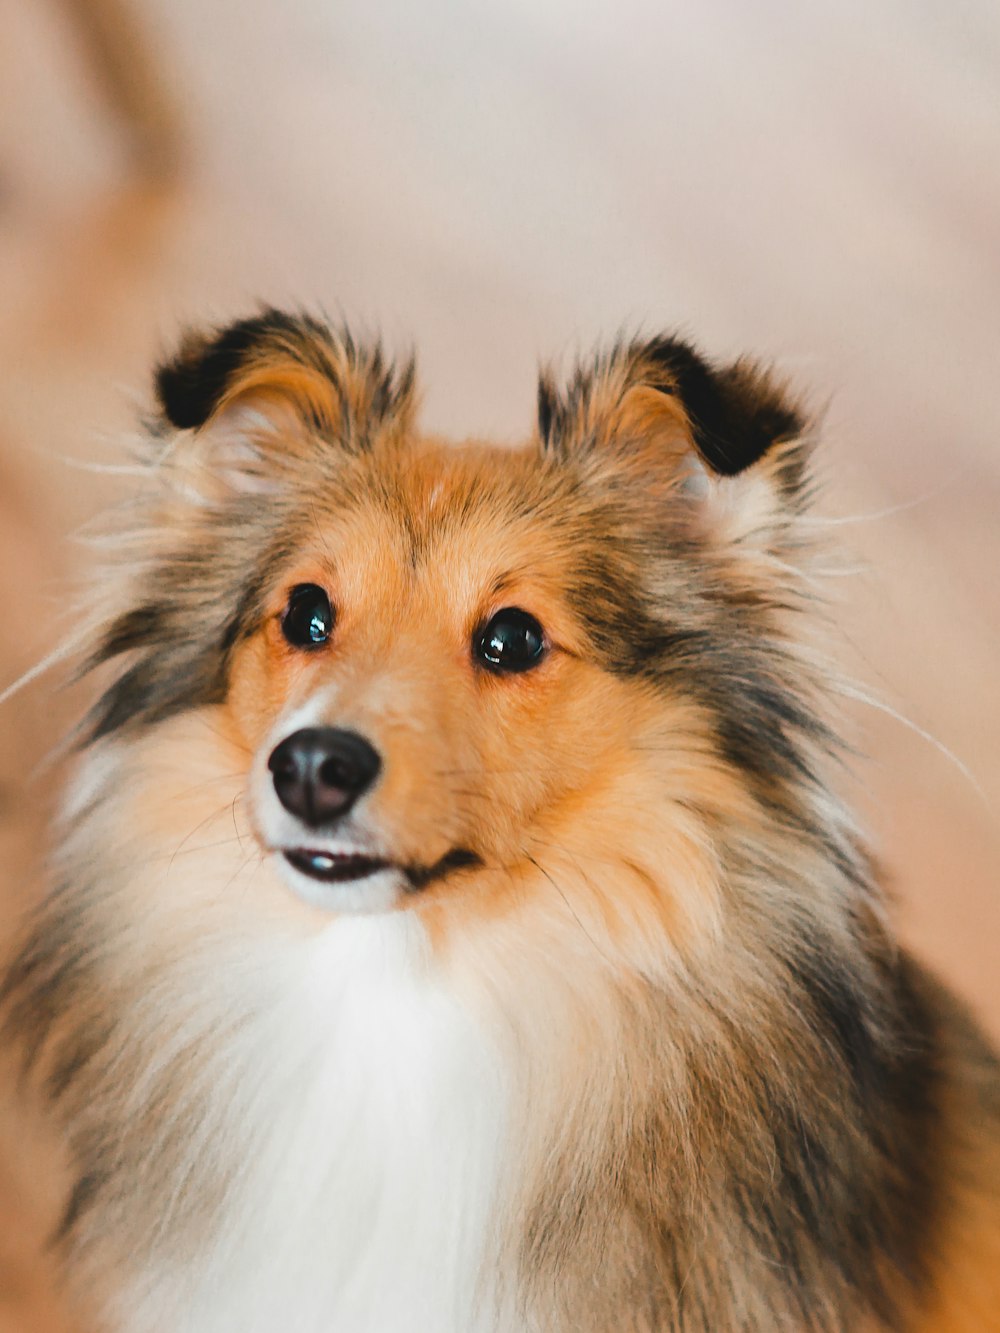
[320, 772]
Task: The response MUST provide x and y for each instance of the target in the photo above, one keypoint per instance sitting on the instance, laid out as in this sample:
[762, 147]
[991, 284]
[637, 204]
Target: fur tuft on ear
[732, 415]
[335, 385]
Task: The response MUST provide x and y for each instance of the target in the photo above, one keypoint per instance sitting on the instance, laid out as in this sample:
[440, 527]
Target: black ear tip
[755, 413]
[177, 394]
[191, 383]
[736, 413]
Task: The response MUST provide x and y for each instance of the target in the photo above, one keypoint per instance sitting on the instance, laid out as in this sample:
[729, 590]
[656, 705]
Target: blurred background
[815, 182]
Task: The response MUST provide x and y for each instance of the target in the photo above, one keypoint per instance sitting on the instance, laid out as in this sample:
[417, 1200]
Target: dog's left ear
[658, 398]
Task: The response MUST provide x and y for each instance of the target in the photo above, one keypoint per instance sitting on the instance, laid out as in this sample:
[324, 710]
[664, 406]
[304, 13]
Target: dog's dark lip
[459, 858]
[333, 867]
[348, 867]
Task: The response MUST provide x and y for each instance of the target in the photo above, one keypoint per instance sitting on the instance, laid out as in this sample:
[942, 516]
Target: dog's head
[441, 663]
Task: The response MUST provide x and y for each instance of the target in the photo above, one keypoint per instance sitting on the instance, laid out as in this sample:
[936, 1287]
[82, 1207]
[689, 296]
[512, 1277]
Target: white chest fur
[366, 1111]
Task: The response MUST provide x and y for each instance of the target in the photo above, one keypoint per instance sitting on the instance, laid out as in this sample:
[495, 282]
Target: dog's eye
[511, 641]
[308, 621]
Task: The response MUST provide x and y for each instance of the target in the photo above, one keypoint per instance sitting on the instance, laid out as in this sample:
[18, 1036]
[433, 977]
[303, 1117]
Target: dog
[455, 927]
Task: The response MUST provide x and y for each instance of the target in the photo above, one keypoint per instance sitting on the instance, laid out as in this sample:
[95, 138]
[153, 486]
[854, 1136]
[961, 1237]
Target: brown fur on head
[628, 854]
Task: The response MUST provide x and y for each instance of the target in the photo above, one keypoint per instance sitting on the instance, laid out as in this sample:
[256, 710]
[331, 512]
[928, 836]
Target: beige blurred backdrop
[815, 182]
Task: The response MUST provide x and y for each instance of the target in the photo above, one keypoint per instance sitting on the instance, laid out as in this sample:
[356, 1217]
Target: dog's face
[420, 692]
[445, 663]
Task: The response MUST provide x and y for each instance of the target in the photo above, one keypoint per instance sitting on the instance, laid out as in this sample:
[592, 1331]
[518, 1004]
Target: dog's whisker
[235, 840]
[216, 780]
[569, 907]
[210, 818]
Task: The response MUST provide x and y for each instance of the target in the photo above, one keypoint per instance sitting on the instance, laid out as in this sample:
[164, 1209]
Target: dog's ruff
[363, 1111]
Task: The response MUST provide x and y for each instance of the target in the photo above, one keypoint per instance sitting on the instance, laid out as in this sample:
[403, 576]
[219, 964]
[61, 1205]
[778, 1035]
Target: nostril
[335, 772]
[347, 762]
[282, 763]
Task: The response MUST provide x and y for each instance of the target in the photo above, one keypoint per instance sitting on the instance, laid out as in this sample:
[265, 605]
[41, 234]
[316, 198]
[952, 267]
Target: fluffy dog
[455, 927]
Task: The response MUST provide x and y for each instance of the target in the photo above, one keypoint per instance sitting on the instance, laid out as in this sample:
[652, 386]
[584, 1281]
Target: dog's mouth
[334, 867]
[331, 867]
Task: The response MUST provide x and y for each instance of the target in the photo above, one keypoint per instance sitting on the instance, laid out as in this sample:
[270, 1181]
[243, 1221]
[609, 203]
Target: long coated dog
[455, 927]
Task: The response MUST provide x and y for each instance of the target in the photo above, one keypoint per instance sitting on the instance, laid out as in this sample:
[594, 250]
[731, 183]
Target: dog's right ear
[275, 379]
[287, 358]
